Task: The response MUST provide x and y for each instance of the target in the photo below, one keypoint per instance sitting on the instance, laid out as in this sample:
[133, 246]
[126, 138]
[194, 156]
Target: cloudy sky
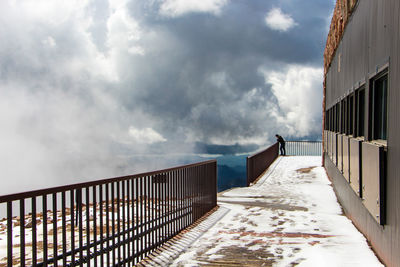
[86, 84]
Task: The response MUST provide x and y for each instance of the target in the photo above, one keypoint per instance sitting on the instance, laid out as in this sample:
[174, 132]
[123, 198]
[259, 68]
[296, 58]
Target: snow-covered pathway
[289, 217]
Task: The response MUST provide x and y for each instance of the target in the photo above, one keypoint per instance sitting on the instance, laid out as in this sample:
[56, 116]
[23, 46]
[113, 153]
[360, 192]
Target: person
[281, 141]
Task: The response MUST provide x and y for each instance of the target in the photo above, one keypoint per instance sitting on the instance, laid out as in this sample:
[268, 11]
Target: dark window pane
[361, 112]
[350, 113]
[380, 108]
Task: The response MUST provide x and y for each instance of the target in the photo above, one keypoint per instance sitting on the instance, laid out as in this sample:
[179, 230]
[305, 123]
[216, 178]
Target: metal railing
[258, 163]
[304, 148]
[111, 222]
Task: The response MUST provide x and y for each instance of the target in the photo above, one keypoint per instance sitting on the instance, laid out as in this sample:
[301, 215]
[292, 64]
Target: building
[362, 118]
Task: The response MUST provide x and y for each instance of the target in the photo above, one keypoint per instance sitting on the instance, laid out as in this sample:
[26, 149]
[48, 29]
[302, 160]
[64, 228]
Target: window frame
[373, 105]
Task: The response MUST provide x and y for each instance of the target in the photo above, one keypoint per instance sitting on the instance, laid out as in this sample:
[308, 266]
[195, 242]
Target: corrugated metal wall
[371, 40]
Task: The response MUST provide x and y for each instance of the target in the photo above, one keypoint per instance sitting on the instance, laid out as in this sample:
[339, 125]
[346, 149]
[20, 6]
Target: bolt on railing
[111, 222]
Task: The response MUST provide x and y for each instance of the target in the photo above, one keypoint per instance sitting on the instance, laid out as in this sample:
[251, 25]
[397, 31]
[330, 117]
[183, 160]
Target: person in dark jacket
[282, 144]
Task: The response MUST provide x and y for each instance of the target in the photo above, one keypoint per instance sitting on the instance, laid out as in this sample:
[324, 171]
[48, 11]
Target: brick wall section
[341, 14]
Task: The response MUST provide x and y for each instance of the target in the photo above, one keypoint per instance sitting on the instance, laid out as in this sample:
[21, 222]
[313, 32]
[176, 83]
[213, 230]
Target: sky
[97, 88]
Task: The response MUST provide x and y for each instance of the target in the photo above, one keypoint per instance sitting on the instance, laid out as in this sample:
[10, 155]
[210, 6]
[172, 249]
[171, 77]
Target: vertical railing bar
[169, 193]
[55, 251]
[161, 207]
[175, 206]
[64, 228]
[156, 206]
[184, 171]
[153, 224]
[128, 220]
[79, 203]
[94, 205]
[180, 184]
[189, 195]
[144, 222]
[186, 197]
[140, 196]
[136, 251]
[175, 200]
[139, 217]
[150, 213]
[164, 200]
[34, 232]
[44, 212]
[9, 235]
[142, 217]
[198, 192]
[133, 218]
[174, 218]
[123, 221]
[168, 205]
[147, 207]
[195, 194]
[113, 221]
[119, 221]
[87, 200]
[22, 230]
[101, 225]
[72, 221]
[159, 211]
[171, 204]
[191, 177]
[202, 189]
[107, 195]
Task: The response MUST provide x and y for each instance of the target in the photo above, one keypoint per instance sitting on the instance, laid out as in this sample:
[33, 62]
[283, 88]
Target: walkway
[289, 217]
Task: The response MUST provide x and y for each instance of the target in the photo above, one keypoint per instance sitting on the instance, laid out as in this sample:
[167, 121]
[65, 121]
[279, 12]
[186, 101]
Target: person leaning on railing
[282, 144]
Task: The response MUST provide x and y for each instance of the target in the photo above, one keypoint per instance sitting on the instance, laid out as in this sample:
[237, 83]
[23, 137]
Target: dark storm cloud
[85, 84]
[176, 80]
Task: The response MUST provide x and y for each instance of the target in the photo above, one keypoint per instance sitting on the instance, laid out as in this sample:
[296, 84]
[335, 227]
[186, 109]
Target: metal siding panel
[334, 148]
[371, 176]
[346, 157]
[355, 157]
[371, 37]
[340, 152]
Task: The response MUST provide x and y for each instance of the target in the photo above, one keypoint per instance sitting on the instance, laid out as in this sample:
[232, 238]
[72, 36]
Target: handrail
[259, 162]
[107, 222]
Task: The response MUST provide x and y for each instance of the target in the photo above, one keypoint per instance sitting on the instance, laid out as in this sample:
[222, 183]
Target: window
[379, 107]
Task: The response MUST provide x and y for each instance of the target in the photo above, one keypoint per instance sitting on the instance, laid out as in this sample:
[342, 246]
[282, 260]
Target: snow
[290, 217]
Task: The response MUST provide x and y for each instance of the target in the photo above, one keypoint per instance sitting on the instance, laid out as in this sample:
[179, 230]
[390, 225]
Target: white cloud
[145, 136]
[277, 20]
[176, 8]
[298, 90]
[49, 41]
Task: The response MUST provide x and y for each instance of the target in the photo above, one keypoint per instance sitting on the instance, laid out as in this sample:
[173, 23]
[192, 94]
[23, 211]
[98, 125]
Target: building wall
[371, 41]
